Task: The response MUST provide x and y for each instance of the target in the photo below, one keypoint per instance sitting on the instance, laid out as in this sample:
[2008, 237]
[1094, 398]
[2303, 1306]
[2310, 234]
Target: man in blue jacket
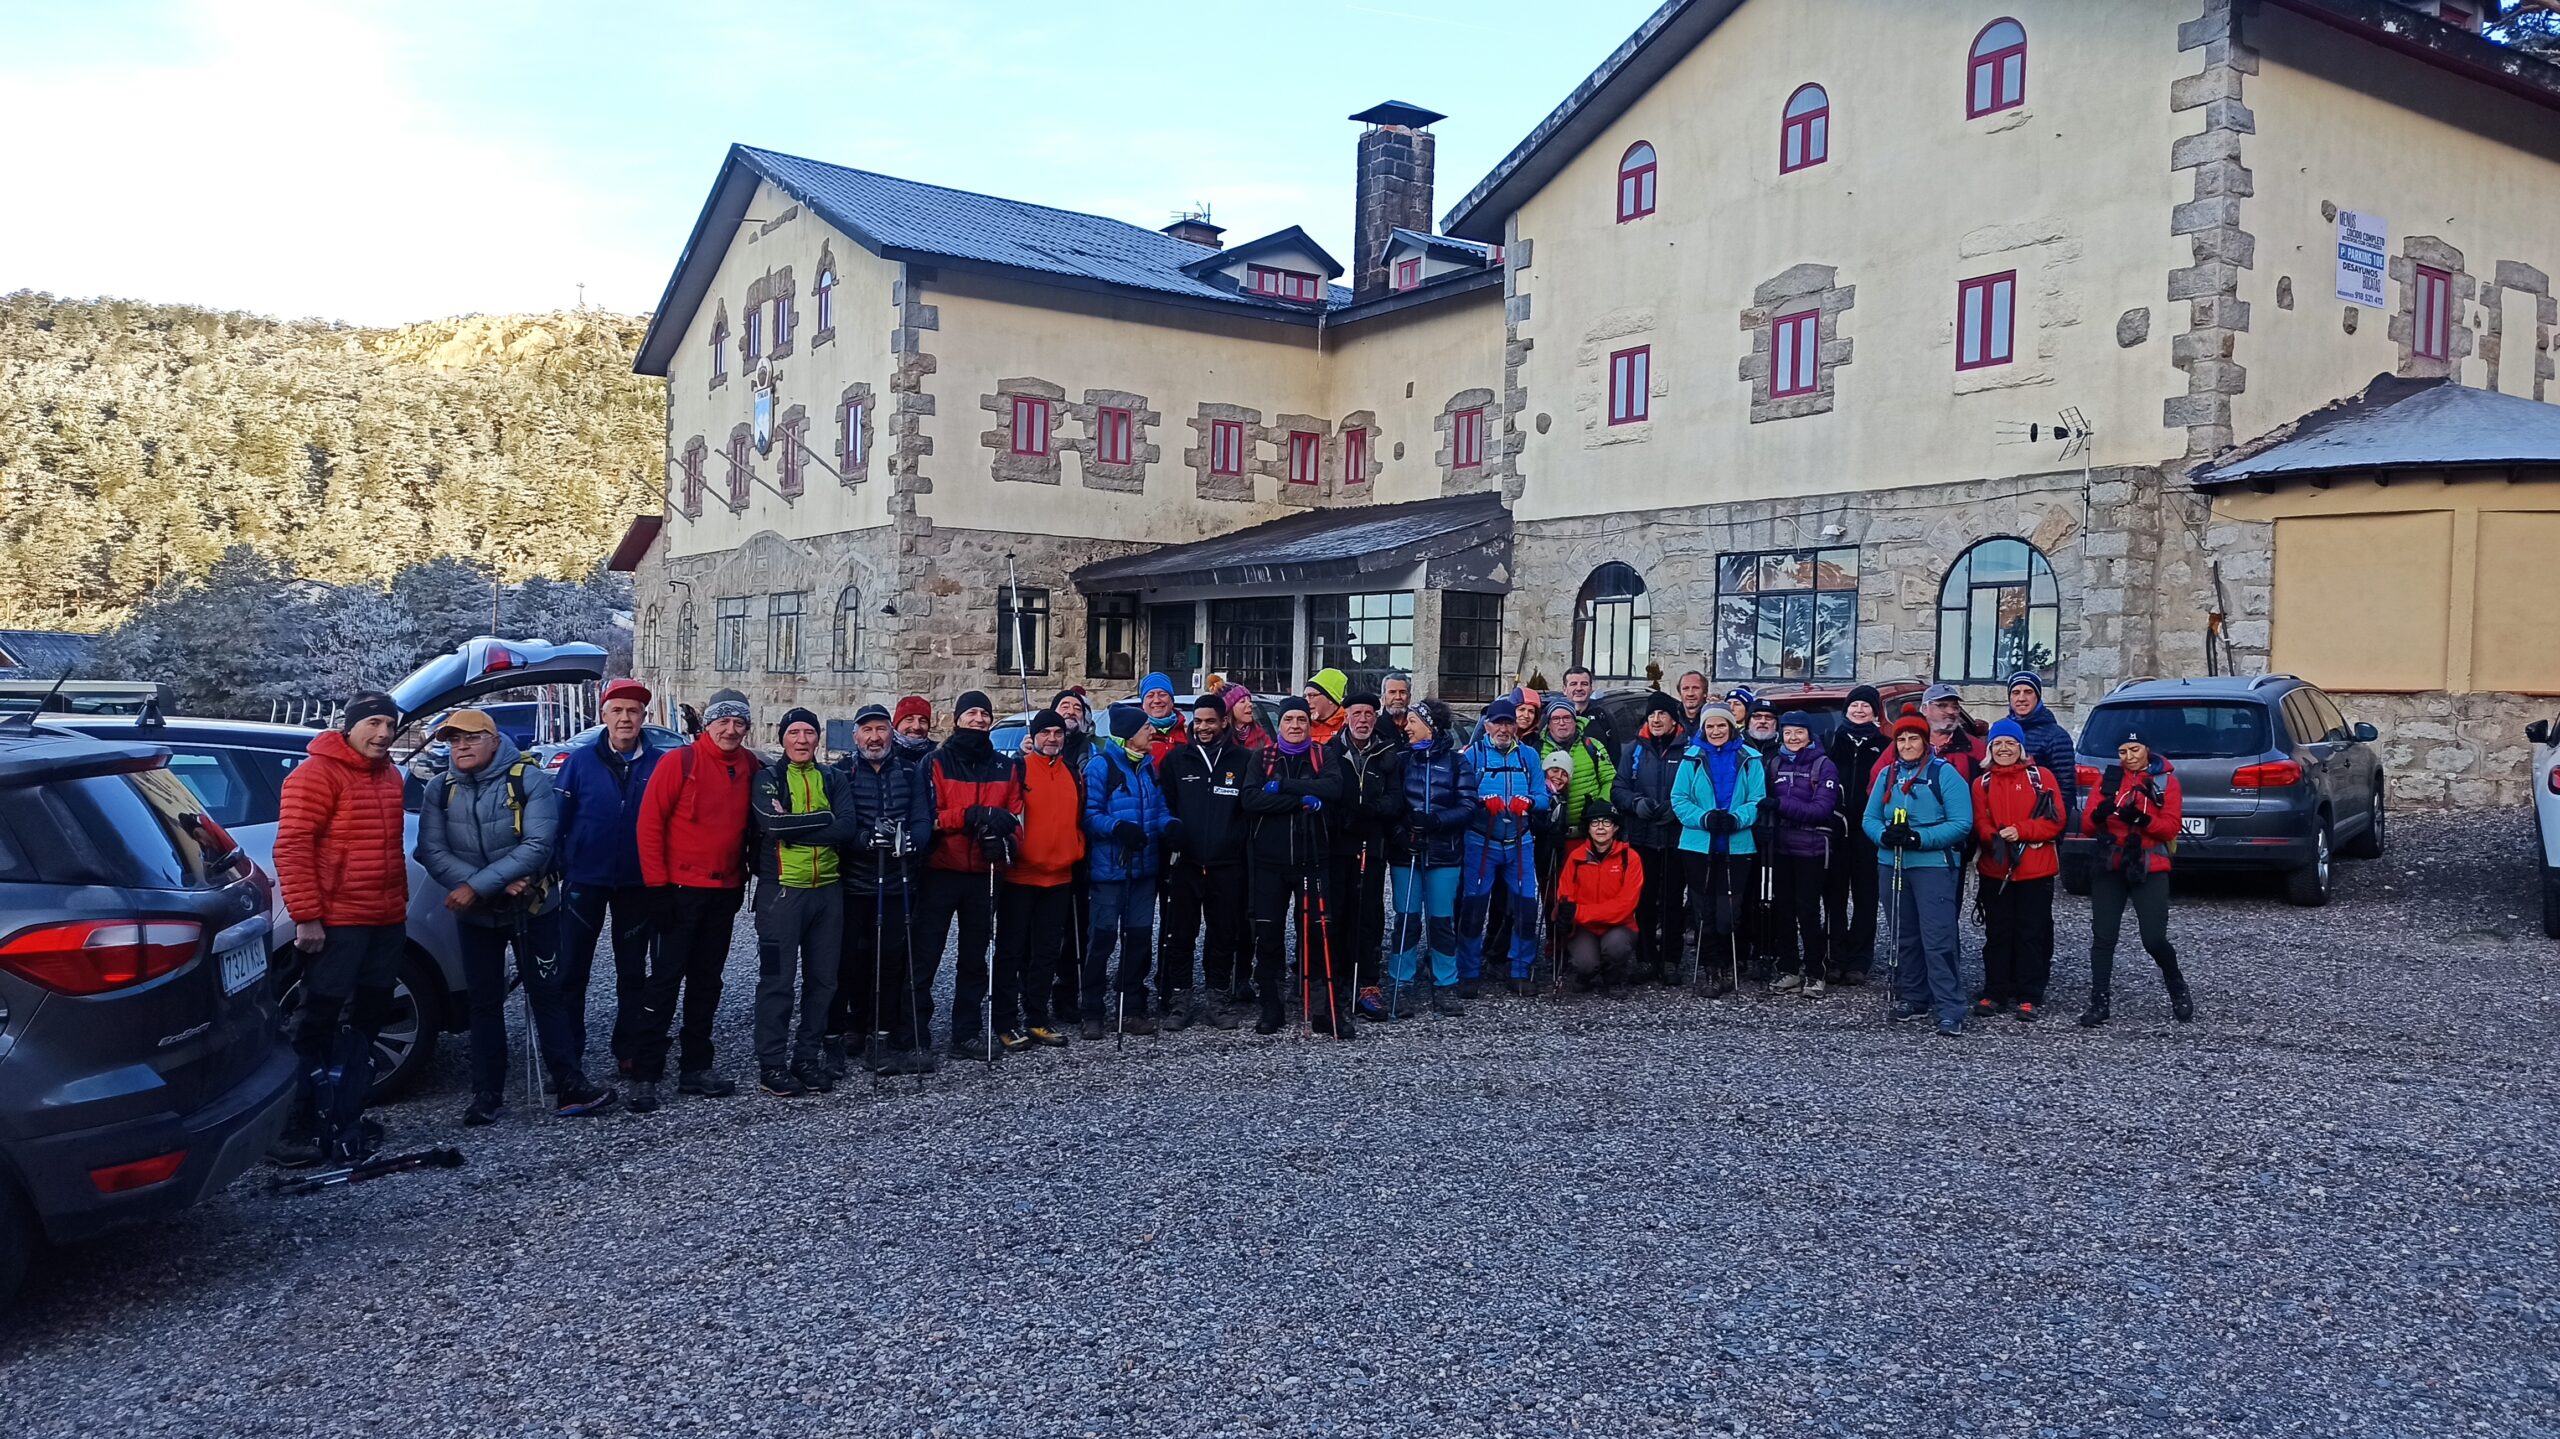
[1500, 780]
[2048, 743]
[600, 784]
[1124, 818]
[1918, 814]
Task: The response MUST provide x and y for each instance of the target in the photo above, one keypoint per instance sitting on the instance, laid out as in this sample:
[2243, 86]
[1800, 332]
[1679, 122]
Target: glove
[1127, 835]
[1564, 915]
[1310, 803]
[1722, 822]
[1647, 807]
[1518, 804]
[1900, 836]
[994, 824]
[1271, 786]
[1174, 835]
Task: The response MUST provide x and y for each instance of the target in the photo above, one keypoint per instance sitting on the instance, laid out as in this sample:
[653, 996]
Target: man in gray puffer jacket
[487, 828]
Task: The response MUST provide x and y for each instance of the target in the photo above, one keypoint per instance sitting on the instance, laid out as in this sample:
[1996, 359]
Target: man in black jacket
[1372, 806]
[1642, 797]
[801, 814]
[1286, 795]
[889, 823]
[1203, 779]
[1849, 900]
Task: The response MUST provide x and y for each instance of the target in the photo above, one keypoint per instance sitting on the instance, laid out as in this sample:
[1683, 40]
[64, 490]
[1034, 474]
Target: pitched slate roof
[1475, 251]
[42, 654]
[2395, 424]
[1313, 545]
[1291, 240]
[933, 224]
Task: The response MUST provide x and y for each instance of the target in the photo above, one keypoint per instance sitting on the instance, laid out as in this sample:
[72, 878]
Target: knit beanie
[1154, 681]
[365, 706]
[1869, 693]
[915, 705]
[973, 700]
[2030, 680]
[727, 704]
[2009, 728]
[798, 715]
[1331, 681]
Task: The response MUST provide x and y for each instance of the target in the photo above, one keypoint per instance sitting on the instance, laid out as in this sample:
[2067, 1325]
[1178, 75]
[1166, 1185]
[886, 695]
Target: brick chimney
[1394, 188]
[1194, 226]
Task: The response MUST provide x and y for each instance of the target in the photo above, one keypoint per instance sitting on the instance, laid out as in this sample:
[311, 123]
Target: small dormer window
[1408, 274]
[1284, 284]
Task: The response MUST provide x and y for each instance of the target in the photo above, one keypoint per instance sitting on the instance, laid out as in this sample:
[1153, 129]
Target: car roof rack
[2268, 679]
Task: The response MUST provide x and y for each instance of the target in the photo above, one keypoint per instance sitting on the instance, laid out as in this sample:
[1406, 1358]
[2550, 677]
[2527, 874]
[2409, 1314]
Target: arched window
[686, 633]
[1806, 138]
[826, 301]
[1997, 77]
[1635, 182]
[1997, 614]
[652, 636]
[848, 648]
[1613, 625]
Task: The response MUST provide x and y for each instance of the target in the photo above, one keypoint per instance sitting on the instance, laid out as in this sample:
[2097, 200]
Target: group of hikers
[1149, 866]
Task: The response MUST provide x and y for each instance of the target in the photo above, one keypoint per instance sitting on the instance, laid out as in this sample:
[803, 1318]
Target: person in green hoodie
[800, 811]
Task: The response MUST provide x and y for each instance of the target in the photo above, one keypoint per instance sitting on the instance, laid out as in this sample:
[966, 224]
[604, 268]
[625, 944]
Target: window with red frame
[1986, 320]
[695, 453]
[1630, 385]
[755, 333]
[719, 353]
[786, 440]
[1030, 425]
[740, 476]
[1355, 457]
[2432, 334]
[1111, 429]
[1466, 440]
[781, 321]
[1226, 447]
[1306, 457]
[1284, 284]
[826, 299]
[849, 450]
[1635, 182]
[1806, 139]
[1996, 79]
[1795, 343]
[1408, 274]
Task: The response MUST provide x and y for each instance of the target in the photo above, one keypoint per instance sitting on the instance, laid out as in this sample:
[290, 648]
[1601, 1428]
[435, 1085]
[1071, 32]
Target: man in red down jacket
[2017, 822]
[340, 860]
[693, 857]
[2133, 814]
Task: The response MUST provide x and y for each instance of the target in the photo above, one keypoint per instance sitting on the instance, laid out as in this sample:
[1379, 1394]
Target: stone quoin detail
[1040, 469]
[1475, 477]
[853, 461]
[1791, 292]
[2219, 247]
[2529, 352]
[2435, 254]
[1086, 417]
[1197, 458]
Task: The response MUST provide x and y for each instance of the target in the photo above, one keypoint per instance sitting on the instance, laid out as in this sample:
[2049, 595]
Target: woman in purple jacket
[1805, 789]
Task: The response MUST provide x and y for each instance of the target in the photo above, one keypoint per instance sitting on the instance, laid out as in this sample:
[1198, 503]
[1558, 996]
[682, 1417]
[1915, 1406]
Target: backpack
[537, 891]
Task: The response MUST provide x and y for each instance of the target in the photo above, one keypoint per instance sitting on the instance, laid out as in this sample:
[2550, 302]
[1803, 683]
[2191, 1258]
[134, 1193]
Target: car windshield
[133, 831]
[2180, 729]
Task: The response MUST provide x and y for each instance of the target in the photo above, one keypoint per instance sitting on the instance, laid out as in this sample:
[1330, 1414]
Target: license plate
[243, 967]
[2195, 826]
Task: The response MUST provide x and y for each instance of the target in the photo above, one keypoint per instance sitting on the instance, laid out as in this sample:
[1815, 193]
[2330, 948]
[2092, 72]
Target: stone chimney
[1394, 188]
[1194, 226]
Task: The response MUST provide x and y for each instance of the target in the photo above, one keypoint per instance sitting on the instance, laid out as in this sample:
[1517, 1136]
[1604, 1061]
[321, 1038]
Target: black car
[2273, 776]
[141, 1068]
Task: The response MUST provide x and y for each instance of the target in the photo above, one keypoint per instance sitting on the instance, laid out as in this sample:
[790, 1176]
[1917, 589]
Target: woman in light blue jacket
[1918, 813]
[1717, 794]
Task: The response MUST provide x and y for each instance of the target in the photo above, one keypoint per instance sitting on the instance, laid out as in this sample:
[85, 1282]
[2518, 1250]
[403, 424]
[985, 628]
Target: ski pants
[484, 976]
[1927, 971]
[1124, 922]
[1213, 894]
[586, 910]
[1801, 944]
[693, 955]
[2149, 896]
[1850, 903]
[346, 997]
[1606, 956]
[2017, 939]
[969, 897]
[876, 989]
[799, 947]
[1488, 866]
[1661, 913]
[1280, 895]
[1358, 895]
[1035, 931]
[1426, 914]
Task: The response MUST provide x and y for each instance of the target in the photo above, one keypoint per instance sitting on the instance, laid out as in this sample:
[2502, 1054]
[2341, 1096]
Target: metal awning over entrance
[1334, 548]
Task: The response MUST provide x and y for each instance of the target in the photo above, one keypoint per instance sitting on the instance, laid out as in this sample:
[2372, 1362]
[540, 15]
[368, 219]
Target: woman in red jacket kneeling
[1596, 894]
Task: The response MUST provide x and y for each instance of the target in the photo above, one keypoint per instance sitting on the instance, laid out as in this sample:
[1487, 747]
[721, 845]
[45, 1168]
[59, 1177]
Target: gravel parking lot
[2327, 1208]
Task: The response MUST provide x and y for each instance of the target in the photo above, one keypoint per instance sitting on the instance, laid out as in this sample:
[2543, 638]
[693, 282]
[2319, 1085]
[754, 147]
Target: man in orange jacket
[693, 857]
[1035, 915]
[1596, 895]
[339, 861]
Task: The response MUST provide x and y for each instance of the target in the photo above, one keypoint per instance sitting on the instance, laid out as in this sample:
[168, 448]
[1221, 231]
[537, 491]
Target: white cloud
[287, 165]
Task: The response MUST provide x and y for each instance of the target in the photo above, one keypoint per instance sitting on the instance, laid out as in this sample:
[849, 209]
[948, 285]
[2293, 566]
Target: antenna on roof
[1198, 213]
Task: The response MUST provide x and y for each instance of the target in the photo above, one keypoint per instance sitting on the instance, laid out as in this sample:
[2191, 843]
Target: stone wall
[2449, 751]
[819, 569]
[947, 638]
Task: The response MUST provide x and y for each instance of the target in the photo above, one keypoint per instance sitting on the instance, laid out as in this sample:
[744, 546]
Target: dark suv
[140, 1065]
[2272, 774]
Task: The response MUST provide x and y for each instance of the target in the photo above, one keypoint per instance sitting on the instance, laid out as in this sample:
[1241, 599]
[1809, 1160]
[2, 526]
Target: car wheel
[2075, 877]
[2309, 886]
[17, 1243]
[408, 1038]
[2368, 845]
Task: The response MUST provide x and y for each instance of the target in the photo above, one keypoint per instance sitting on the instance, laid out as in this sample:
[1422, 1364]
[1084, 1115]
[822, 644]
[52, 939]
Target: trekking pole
[1893, 933]
[919, 1001]
[876, 1043]
[1324, 941]
[987, 1001]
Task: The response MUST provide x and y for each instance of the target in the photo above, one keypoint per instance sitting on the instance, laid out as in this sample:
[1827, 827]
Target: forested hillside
[140, 442]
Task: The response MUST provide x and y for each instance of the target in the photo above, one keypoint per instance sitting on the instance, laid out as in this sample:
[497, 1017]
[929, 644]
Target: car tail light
[2278, 775]
[94, 956]
[557, 759]
[2090, 776]
[2555, 779]
[140, 1174]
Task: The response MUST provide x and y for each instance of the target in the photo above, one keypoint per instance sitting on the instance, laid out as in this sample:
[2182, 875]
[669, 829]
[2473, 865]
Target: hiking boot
[1788, 983]
[917, 1062]
[484, 1110]
[703, 1084]
[1179, 1012]
[2182, 1005]
[1984, 1007]
[1271, 1022]
[968, 1046]
[1849, 978]
[297, 1151]
[812, 1076]
[2025, 1012]
[780, 1083]
[1813, 988]
[1446, 1005]
[2098, 1012]
[1138, 1021]
[579, 1098]
[1470, 988]
[1903, 1012]
[1373, 1005]
[1225, 1014]
[1518, 987]
[1047, 1036]
[1091, 1029]
[1013, 1041]
[1951, 1029]
[644, 1096]
[1720, 984]
[832, 1057]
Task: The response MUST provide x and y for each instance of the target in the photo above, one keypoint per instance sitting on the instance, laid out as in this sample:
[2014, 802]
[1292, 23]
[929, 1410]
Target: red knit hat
[1911, 724]
[913, 705]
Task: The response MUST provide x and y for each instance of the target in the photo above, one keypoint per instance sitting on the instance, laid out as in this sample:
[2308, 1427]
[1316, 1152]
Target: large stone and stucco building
[1749, 358]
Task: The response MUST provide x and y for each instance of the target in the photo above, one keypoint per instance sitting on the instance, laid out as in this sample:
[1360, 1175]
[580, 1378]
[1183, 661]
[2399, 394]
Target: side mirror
[2539, 732]
[2367, 733]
